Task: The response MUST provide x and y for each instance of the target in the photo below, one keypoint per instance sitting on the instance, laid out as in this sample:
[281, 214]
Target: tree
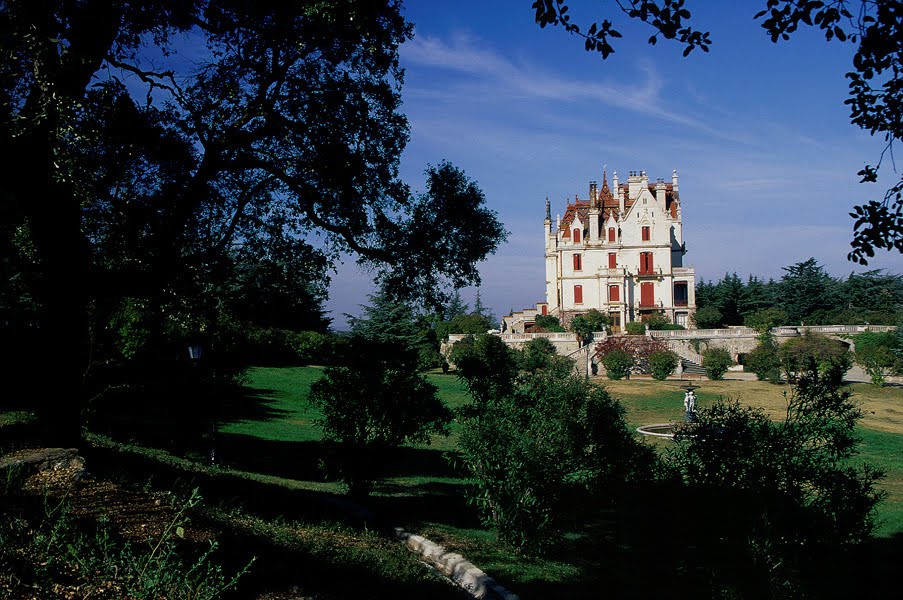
[618, 364]
[592, 320]
[707, 317]
[765, 319]
[543, 449]
[548, 323]
[779, 492]
[806, 288]
[765, 360]
[375, 404]
[662, 364]
[287, 127]
[716, 362]
[876, 82]
[878, 354]
[815, 355]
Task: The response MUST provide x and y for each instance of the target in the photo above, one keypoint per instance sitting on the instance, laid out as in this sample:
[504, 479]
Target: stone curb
[454, 566]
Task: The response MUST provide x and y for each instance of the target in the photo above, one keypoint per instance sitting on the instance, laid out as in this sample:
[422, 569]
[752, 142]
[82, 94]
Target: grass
[290, 419]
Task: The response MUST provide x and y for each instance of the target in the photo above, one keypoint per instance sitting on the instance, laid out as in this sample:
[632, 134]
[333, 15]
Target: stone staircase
[692, 367]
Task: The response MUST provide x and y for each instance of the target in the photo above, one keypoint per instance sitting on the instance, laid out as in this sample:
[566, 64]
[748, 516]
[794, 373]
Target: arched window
[611, 234]
[576, 237]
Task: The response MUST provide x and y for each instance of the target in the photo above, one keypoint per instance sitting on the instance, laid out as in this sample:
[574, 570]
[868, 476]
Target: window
[647, 294]
[576, 237]
[611, 234]
[612, 260]
[578, 262]
[615, 321]
[646, 263]
[578, 294]
[545, 309]
[614, 293]
[645, 233]
[681, 297]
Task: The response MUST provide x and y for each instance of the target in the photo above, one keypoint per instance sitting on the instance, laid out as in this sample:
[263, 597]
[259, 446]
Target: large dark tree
[147, 140]
[874, 27]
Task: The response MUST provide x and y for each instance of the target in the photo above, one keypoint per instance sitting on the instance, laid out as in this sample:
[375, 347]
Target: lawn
[291, 421]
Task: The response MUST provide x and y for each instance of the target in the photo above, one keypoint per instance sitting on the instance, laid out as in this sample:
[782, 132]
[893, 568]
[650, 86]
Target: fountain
[666, 430]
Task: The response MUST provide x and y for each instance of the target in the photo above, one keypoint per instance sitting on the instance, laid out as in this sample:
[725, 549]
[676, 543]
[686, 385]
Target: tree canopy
[876, 80]
[152, 146]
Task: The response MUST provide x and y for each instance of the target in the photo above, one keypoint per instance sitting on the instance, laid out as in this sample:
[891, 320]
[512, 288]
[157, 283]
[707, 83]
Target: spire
[606, 191]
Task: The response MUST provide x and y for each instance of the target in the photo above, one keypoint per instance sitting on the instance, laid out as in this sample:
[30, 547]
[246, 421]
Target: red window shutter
[578, 264]
[646, 233]
[578, 294]
[614, 293]
[611, 234]
[612, 260]
[649, 254]
[576, 236]
[647, 294]
[545, 310]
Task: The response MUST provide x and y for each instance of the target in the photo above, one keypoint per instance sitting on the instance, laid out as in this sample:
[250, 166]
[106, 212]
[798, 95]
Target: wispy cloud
[464, 55]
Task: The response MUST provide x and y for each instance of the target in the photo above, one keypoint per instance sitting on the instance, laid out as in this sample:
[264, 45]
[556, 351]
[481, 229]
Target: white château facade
[621, 252]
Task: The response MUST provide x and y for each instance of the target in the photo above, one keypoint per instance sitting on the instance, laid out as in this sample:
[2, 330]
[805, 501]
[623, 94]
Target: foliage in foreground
[49, 551]
[780, 490]
[377, 402]
[543, 446]
[621, 355]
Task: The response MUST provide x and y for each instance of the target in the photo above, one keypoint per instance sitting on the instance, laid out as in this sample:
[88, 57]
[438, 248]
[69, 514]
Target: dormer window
[611, 234]
[576, 237]
[646, 235]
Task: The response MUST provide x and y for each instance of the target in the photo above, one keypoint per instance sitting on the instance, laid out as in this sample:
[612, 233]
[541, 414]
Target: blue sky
[758, 133]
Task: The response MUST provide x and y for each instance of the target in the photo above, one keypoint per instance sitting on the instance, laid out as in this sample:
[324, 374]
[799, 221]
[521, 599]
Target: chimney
[593, 194]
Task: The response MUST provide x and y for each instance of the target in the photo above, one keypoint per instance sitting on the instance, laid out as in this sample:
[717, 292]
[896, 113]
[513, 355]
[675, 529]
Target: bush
[537, 354]
[655, 321]
[618, 364]
[635, 328]
[593, 320]
[662, 364]
[549, 323]
[544, 450]
[779, 490]
[765, 360]
[878, 354]
[814, 354]
[378, 403]
[716, 362]
[707, 317]
[766, 319]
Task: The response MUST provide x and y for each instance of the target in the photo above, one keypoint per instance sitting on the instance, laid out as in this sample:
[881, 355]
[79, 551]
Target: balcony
[649, 305]
[653, 272]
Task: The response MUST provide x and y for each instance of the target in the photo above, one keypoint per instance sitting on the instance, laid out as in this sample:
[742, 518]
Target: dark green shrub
[635, 328]
[655, 321]
[591, 321]
[662, 364]
[618, 364]
[815, 354]
[765, 360]
[543, 449]
[878, 354]
[707, 317]
[781, 491]
[549, 323]
[377, 403]
[716, 362]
